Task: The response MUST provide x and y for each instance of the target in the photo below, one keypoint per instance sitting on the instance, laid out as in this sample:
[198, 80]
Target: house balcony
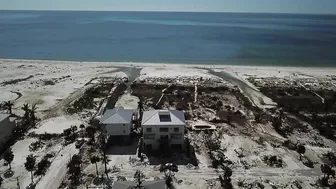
[164, 139]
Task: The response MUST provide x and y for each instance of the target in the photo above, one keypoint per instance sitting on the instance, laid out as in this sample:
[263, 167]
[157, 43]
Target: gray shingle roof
[117, 115]
[3, 116]
[152, 117]
[157, 184]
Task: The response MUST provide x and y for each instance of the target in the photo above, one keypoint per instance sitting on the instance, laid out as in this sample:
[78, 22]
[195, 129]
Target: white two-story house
[162, 129]
[117, 122]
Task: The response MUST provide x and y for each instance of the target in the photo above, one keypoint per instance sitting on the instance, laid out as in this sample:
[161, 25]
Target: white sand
[278, 71]
[21, 151]
[173, 72]
[56, 125]
[128, 101]
[68, 77]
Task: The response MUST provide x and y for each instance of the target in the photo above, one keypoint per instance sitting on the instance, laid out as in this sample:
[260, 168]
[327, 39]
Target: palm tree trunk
[10, 166]
[97, 170]
[105, 163]
[106, 169]
[31, 174]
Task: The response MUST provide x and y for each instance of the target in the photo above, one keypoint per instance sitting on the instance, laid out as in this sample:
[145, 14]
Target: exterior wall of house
[152, 135]
[6, 129]
[118, 129]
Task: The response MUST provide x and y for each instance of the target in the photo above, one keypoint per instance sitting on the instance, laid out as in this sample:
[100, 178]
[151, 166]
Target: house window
[176, 136]
[164, 129]
[148, 130]
[124, 131]
[149, 136]
[176, 129]
[124, 124]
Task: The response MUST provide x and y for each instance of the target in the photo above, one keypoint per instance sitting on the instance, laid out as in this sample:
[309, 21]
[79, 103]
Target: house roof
[117, 115]
[156, 184]
[152, 117]
[3, 116]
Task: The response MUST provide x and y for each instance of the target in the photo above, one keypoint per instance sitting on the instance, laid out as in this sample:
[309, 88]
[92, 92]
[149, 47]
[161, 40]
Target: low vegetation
[43, 165]
[74, 169]
[273, 161]
[87, 100]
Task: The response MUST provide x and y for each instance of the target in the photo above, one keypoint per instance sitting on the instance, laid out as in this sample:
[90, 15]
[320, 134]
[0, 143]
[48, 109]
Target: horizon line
[172, 11]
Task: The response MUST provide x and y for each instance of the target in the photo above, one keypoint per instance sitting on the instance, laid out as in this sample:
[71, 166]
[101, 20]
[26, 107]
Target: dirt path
[58, 169]
[258, 99]
[211, 173]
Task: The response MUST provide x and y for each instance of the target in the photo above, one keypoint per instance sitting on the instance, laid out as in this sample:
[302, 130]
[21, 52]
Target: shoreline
[172, 70]
[156, 64]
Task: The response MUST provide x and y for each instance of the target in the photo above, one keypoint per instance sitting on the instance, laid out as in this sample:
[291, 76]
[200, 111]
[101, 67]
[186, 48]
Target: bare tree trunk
[105, 163]
[97, 170]
[106, 169]
[32, 178]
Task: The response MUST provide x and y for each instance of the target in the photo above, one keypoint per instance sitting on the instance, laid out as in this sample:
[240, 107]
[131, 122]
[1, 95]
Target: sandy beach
[47, 82]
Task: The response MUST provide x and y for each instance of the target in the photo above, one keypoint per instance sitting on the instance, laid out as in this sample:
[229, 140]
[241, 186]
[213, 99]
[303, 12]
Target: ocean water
[170, 37]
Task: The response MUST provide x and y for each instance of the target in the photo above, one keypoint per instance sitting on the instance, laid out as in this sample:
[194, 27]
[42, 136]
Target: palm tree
[225, 178]
[139, 178]
[90, 131]
[81, 126]
[30, 165]
[140, 107]
[26, 110]
[32, 113]
[74, 167]
[95, 160]
[73, 128]
[227, 174]
[102, 145]
[8, 105]
[167, 169]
